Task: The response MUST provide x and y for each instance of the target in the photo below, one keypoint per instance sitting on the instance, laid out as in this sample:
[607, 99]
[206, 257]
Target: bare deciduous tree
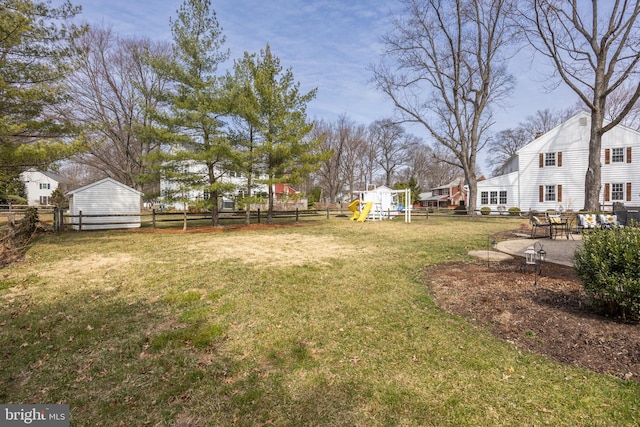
[618, 100]
[111, 90]
[504, 146]
[329, 175]
[391, 144]
[354, 152]
[595, 49]
[424, 164]
[447, 70]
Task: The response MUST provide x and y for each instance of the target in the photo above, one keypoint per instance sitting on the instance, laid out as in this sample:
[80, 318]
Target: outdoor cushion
[536, 221]
[555, 219]
[608, 220]
[587, 220]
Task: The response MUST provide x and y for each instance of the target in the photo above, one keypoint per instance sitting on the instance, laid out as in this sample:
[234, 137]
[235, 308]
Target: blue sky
[328, 44]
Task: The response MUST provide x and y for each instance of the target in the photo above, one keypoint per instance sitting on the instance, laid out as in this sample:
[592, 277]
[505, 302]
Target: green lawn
[328, 323]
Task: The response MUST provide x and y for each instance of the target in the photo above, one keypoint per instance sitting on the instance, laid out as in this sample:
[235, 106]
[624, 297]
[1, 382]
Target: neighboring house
[549, 172]
[445, 196]
[105, 197]
[283, 192]
[172, 196]
[39, 186]
[180, 200]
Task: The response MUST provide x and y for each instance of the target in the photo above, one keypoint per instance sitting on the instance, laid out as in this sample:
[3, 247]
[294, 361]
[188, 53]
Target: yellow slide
[353, 207]
[365, 212]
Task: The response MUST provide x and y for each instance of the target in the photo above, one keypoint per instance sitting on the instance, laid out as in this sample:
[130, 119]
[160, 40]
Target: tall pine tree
[201, 152]
[288, 153]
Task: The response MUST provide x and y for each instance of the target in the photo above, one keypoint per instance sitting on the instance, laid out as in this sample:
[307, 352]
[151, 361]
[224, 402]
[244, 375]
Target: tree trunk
[473, 191]
[247, 206]
[593, 177]
[215, 217]
[270, 210]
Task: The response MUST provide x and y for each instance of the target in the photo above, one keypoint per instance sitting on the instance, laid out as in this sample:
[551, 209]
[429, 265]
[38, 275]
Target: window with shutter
[549, 159]
[541, 193]
[617, 191]
[628, 154]
[541, 160]
[606, 192]
[617, 155]
[559, 158]
[628, 191]
[550, 193]
[607, 156]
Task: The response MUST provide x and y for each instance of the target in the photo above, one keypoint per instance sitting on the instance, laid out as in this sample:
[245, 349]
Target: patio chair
[537, 223]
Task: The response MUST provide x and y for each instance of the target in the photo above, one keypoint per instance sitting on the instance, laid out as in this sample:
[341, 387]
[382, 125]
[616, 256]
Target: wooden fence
[62, 220]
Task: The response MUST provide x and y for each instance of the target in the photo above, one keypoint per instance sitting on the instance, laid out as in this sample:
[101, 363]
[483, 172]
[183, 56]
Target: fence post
[80, 221]
[55, 218]
[328, 213]
[258, 215]
[153, 217]
[297, 212]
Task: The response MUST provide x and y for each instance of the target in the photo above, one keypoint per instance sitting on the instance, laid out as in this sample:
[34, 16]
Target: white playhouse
[381, 203]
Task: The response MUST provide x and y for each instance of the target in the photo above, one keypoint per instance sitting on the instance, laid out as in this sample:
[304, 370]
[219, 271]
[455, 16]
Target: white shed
[119, 203]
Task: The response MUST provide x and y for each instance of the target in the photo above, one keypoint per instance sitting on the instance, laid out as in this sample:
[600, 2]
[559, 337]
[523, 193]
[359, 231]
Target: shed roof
[102, 181]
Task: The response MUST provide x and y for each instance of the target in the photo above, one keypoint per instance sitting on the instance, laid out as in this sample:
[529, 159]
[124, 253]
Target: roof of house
[456, 182]
[432, 198]
[53, 176]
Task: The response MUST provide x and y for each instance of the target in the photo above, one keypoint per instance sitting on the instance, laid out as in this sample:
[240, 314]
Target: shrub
[609, 267]
[485, 210]
[460, 210]
[514, 211]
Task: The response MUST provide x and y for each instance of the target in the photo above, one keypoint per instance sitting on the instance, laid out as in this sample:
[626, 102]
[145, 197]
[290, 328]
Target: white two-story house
[39, 186]
[549, 172]
[172, 194]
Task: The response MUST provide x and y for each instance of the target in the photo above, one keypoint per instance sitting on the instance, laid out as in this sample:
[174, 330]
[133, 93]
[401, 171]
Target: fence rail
[64, 220]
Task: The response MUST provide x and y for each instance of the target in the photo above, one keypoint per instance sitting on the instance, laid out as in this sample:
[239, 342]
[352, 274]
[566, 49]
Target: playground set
[381, 203]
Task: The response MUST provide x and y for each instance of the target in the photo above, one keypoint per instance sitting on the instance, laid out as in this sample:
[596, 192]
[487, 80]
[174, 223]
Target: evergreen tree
[35, 53]
[246, 135]
[194, 123]
[288, 153]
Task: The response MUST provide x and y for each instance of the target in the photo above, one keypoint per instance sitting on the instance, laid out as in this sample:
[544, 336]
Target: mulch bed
[547, 314]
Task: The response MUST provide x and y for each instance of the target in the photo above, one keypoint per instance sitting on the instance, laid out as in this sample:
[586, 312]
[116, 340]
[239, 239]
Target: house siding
[626, 172]
[570, 143]
[33, 180]
[507, 182]
[199, 169]
[106, 197]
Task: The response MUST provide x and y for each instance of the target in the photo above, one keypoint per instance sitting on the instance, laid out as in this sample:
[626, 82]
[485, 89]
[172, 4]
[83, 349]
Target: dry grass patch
[274, 250]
